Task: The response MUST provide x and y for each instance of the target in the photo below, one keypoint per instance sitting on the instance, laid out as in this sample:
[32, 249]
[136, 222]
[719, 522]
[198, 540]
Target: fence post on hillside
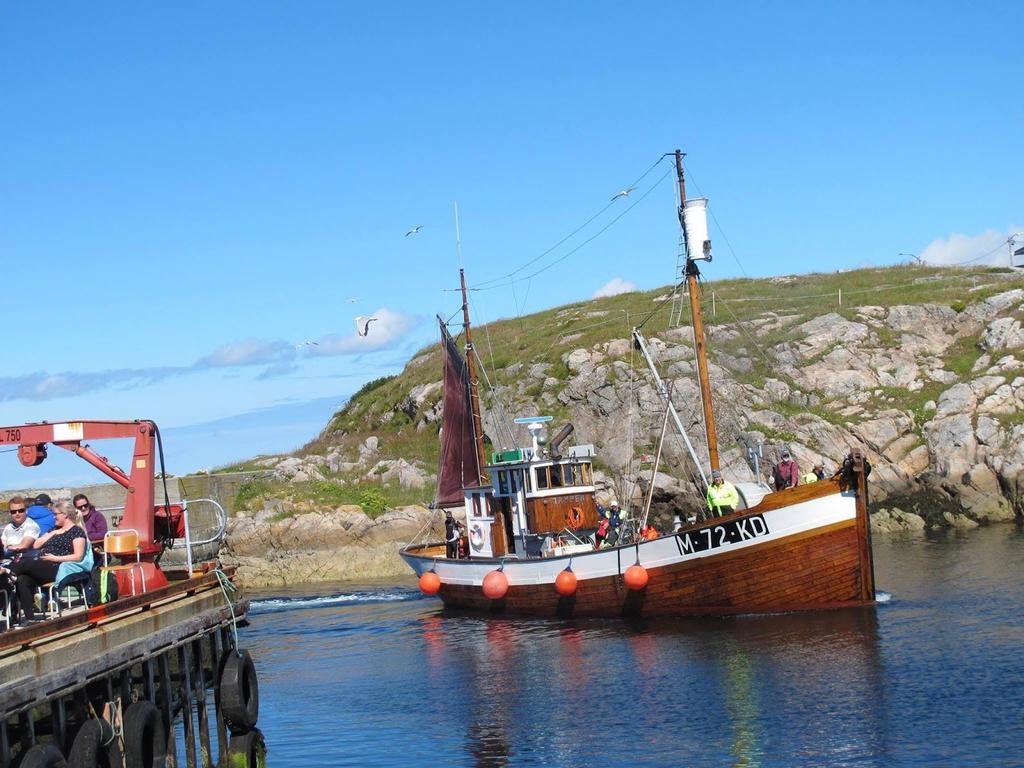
[840, 297]
[714, 309]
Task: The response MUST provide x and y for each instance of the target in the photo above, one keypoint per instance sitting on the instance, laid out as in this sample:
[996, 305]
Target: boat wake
[882, 597]
[279, 604]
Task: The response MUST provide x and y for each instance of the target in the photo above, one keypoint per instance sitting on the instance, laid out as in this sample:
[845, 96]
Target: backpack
[102, 587]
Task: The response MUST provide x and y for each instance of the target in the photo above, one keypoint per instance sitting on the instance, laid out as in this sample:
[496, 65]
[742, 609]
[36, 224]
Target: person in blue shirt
[42, 513]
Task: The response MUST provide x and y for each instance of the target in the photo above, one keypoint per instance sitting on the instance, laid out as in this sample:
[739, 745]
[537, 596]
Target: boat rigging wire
[487, 283]
[500, 406]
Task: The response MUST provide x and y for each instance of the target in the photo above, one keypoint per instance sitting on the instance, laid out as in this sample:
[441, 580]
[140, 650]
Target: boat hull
[797, 550]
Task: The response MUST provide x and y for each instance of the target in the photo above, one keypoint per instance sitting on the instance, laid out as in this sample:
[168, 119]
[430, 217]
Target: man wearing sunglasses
[21, 532]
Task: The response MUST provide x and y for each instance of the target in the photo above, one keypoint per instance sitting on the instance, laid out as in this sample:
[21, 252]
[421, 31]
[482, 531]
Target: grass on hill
[381, 408]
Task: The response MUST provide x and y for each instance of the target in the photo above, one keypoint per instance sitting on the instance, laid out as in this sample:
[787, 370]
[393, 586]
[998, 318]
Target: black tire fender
[248, 750]
[95, 747]
[239, 693]
[43, 756]
[145, 741]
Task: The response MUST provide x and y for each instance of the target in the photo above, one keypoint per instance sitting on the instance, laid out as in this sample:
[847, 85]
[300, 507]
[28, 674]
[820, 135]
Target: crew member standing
[787, 472]
[451, 535]
[722, 495]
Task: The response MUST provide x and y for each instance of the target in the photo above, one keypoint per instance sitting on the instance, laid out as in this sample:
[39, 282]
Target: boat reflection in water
[700, 691]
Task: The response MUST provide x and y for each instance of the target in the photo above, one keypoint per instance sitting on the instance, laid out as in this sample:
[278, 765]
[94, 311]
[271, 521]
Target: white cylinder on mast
[695, 217]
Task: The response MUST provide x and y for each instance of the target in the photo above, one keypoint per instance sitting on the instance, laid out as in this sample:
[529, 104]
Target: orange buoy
[495, 585]
[565, 583]
[635, 577]
[430, 583]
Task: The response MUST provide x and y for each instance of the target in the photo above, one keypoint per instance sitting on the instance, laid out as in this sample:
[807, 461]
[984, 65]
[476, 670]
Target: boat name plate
[729, 532]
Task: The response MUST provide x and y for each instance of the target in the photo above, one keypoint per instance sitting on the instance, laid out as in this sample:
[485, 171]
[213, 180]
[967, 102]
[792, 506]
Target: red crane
[32, 440]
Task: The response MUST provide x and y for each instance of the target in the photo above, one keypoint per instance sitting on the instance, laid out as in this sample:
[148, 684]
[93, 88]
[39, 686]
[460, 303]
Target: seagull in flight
[415, 230]
[363, 325]
[307, 344]
[622, 193]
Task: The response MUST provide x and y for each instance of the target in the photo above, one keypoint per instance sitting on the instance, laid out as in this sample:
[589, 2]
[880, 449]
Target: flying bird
[414, 231]
[622, 193]
[308, 344]
[363, 325]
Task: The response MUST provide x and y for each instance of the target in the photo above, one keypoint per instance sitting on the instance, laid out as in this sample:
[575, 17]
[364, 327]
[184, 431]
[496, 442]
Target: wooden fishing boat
[530, 515]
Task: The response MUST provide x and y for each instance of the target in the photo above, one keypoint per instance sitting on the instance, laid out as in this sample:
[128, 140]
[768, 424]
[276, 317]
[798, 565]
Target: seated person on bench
[66, 543]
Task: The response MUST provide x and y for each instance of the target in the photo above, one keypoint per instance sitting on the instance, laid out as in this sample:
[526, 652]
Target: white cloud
[989, 247]
[247, 352]
[614, 287]
[389, 326]
[277, 356]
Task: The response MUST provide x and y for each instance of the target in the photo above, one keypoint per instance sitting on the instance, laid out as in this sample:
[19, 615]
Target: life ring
[247, 750]
[476, 536]
[43, 756]
[573, 517]
[239, 692]
[95, 746]
[145, 741]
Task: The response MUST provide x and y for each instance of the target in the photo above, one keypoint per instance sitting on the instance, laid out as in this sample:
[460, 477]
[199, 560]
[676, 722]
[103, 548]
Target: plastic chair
[56, 603]
[123, 542]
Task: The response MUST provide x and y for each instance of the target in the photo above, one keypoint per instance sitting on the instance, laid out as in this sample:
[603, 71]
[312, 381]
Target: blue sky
[191, 191]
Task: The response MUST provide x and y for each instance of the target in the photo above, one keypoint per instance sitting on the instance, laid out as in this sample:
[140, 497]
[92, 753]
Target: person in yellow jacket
[722, 496]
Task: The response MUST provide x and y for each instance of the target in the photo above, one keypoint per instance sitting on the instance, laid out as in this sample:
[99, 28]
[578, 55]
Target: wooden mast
[474, 393]
[692, 273]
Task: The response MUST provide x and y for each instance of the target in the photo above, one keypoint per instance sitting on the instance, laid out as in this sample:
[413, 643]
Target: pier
[105, 686]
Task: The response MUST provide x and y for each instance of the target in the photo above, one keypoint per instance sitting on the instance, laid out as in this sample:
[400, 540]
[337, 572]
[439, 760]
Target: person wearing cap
[819, 471]
[722, 495]
[42, 513]
[786, 473]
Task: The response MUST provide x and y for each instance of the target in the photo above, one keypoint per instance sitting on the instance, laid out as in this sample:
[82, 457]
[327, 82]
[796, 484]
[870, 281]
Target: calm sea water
[378, 675]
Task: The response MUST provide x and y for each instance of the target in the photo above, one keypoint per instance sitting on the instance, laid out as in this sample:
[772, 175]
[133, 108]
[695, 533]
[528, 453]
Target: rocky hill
[922, 367]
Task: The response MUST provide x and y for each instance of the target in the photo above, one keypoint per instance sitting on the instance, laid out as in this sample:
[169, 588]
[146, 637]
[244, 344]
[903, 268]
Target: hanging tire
[43, 756]
[248, 750]
[145, 741]
[239, 693]
[95, 747]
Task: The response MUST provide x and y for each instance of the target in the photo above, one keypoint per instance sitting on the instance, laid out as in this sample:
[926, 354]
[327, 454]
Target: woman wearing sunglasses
[66, 543]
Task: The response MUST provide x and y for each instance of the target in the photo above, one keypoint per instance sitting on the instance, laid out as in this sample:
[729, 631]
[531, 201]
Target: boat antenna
[692, 276]
[458, 242]
[474, 391]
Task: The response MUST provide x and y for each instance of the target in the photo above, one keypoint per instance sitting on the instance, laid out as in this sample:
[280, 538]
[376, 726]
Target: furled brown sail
[458, 449]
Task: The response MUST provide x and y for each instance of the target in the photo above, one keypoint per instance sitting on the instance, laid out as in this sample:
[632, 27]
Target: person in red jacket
[786, 473]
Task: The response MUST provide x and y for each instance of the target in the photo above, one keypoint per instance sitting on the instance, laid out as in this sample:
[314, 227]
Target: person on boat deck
[816, 474]
[786, 473]
[722, 495]
[603, 526]
[94, 523]
[452, 533]
[65, 545]
[614, 520]
[42, 513]
[19, 534]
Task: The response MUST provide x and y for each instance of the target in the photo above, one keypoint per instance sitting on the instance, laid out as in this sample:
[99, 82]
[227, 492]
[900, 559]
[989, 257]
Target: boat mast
[474, 393]
[692, 273]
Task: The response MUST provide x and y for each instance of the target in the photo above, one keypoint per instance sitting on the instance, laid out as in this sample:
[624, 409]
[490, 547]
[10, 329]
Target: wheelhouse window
[541, 475]
[586, 474]
[503, 482]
